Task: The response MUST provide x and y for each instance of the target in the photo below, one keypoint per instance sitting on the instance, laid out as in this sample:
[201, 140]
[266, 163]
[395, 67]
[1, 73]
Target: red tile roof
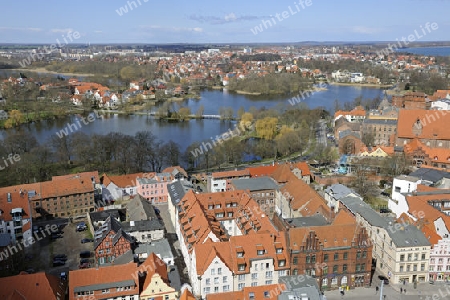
[231, 174]
[270, 291]
[37, 286]
[434, 124]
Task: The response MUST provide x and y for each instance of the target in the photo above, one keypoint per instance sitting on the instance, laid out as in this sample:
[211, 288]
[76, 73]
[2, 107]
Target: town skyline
[140, 21]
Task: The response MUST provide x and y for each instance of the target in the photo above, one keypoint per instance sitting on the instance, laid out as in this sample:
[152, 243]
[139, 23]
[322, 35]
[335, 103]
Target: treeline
[262, 134]
[283, 83]
[115, 152]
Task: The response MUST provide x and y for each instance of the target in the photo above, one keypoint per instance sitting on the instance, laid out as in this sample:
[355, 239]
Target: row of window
[416, 257]
[212, 206]
[408, 268]
[312, 258]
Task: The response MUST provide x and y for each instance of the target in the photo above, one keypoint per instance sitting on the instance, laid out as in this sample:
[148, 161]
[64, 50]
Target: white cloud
[61, 30]
[230, 17]
[173, 29]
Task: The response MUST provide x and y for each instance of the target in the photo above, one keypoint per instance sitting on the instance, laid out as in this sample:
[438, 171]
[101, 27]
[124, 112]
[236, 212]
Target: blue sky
[211, 21]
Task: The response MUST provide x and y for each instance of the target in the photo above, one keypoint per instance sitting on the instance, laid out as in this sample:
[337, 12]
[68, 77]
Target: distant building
[221, 181]
[411, 100]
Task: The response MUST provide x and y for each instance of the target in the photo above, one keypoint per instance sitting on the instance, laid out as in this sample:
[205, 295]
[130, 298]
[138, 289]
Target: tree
[200, 111]
[246, 121]
[240, 112]
[368, 139]
[184, 113]
[266, 128]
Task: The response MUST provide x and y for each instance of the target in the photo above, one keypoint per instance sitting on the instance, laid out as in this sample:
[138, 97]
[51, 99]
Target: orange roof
[261, 171]
[30, 287]
[226, 251]
[440, 155]
[102, 275]
[175, 168]
[230, 174]
[434, 124]
[123, 181]
[303, 166]
[270, 291]
[187, 295]
[357, 111]
[282, 173]
[304, 198]
[154, 265]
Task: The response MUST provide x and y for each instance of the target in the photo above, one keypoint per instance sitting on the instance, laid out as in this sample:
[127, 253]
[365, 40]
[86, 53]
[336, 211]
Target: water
[428, 51]
[185, 133]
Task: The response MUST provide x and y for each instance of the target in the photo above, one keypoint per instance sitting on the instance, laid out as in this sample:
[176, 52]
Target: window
[335, 268]
[325, 282]
[397, 189]
[401, 268]
[282, 273]
[225, 279]
[241, 277]
[358, 254]
[226, 288]
[206, 290]
[325, 257]
[216, 280]
[336, 256]
[295, 260]
[166, 297]
[240, 254]
[281, 263]
[105, 291]
[268, 274]
[260, 252]
[308, 259]
[325, 270]
[364, 255]
[216, 289]
[241, 286]
[402, 257]
[241, 267]
[213, 271]
[344, 268]
[208, 281]
[345, 255]
[268, 282]
[254, 276]
[313, 258]
[219, 271]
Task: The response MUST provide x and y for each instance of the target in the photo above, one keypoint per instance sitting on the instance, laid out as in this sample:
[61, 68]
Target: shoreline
[248, 93]
[374, 85]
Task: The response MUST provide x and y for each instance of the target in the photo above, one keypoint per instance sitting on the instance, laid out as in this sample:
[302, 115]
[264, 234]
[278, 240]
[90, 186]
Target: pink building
[154, 189]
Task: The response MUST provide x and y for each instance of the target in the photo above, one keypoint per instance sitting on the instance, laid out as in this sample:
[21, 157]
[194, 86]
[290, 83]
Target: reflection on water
[185, 133]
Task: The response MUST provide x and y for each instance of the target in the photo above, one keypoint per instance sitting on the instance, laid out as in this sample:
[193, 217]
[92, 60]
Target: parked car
[83, 241]
[84, 261]
[85, 254]
[81, 228]
[381, 277]
[58, 263]
[30, 271]
[83, 266]
[60, 257]
[63, 276]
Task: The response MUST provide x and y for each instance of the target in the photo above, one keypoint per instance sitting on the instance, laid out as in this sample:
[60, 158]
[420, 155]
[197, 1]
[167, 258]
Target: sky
[212, 21]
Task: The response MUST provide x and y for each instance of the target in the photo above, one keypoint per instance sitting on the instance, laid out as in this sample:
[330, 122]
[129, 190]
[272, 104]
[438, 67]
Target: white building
[15, 217]
[440, 261]
[402, 184]
[443, 104]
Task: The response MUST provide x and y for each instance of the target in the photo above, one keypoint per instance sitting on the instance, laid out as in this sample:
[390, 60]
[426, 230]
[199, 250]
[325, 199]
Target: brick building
[336, 254]
[411, 100]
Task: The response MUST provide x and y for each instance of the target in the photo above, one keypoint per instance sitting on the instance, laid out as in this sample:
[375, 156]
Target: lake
[185, 133]
[428, 51]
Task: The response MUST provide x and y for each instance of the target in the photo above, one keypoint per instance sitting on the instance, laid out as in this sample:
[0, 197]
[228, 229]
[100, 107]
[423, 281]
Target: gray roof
[314, 220]
[255, 184]
[380, 122]
[101, 216]
[140, 209]
[408, 178]
[430, 174]
[404, 236]
[5, 239]
[339, 191]
[125, 258]
[160, 247]
[298, 285]
[147, 181]
[103, 286]
[176, 192]
[142, 225]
